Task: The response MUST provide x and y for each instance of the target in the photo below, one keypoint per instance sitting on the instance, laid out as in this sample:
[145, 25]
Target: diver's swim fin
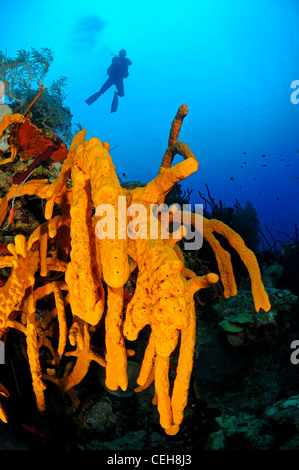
[93, 98]
[114, 104]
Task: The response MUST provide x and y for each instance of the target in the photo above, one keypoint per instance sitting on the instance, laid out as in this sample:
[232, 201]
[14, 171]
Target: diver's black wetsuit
[117, 71]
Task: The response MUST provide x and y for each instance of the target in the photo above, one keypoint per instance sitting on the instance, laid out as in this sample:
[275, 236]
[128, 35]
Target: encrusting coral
[96, 269]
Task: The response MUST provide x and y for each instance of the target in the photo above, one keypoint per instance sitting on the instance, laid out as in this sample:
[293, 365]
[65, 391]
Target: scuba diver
[118, 70]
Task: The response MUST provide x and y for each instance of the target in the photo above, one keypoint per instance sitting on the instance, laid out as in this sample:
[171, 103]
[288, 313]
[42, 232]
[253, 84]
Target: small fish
[232, 178]
[241, 166]
[288, 164]
[263, 156]
[264, 165]
[125, 176]
[254, 179]
[297, 150]
[244, 153]
[245, 163]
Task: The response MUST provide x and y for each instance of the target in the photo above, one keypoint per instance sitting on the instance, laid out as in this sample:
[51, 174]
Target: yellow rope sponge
[7, 121]
[86, 292]
[70, 261]
[94, 160]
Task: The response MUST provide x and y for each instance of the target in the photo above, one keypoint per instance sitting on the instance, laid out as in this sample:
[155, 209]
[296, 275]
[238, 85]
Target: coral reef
[83, 277]
[243, 220]
[21, 75]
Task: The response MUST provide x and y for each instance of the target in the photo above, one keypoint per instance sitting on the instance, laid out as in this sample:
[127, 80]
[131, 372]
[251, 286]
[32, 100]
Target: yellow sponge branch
[83, 272]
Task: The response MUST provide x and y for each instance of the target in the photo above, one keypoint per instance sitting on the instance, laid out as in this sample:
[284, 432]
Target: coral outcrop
[85, 274]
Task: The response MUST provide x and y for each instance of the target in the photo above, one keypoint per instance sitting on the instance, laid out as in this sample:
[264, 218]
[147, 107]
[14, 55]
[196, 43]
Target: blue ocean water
[234, 63]
[231, 62]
